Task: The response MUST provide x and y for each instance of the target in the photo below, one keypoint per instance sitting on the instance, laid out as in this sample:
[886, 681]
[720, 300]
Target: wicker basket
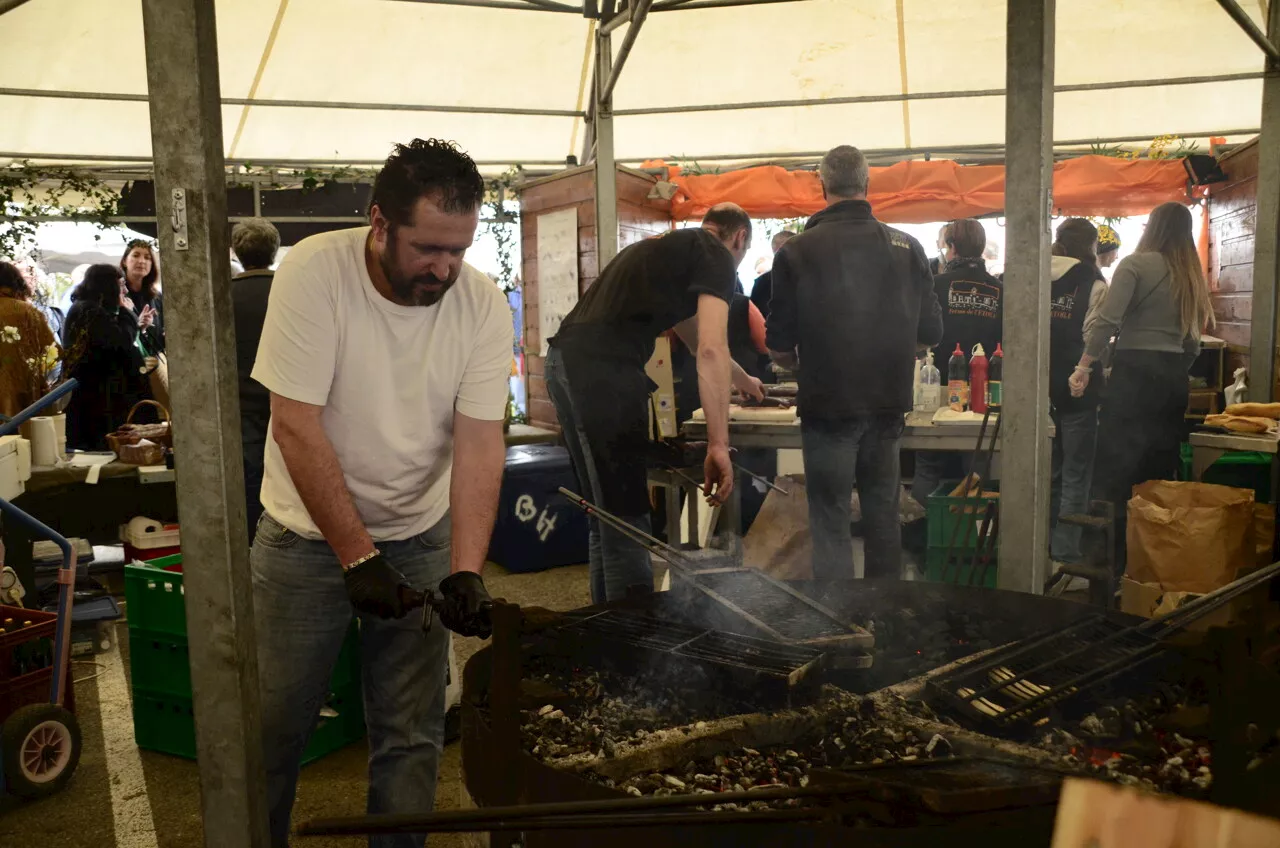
[129, 434]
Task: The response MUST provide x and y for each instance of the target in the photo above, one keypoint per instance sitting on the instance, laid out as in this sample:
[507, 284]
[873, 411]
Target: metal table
[920, 433]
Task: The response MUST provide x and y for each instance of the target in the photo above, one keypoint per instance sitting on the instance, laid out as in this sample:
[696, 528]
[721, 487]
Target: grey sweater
[1140, 307]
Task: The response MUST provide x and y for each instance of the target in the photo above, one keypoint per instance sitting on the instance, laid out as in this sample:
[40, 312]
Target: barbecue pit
[648, 698]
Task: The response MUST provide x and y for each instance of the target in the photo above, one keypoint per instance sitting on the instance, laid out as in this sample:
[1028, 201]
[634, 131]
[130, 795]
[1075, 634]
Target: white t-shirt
[388, 376]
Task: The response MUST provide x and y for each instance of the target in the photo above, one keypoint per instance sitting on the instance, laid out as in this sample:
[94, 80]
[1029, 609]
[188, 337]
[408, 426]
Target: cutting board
[754, 413]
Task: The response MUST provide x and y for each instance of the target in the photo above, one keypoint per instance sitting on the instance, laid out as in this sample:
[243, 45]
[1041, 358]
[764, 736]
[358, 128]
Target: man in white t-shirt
[387, 360]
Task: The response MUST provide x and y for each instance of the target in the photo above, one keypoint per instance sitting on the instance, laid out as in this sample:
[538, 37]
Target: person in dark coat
[852, 301]
[255, 244]
[1077, 293]
[99, 338]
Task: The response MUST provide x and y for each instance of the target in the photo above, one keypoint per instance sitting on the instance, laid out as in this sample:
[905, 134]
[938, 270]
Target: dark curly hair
[12, 282]
[101, 285]
[423, 168]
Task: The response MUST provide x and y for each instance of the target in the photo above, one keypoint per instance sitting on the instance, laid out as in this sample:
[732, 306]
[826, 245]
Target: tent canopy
[404, 56]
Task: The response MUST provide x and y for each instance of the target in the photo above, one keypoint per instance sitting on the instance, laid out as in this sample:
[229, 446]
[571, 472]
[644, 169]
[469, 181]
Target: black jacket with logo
[1072, 290]
[854, 297]
[972, 304]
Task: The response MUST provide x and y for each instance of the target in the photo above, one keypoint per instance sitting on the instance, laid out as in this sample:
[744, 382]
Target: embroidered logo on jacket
[966, 297]
[1063, 306]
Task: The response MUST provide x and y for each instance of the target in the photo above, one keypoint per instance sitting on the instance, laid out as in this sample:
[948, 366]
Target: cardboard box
[1150, 600]
[663, 424]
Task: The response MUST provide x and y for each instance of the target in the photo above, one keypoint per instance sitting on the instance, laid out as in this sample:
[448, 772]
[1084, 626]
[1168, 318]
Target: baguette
[1255, 410]
[1241, 423]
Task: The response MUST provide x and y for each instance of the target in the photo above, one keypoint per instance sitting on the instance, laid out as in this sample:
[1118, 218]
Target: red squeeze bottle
[978, 380]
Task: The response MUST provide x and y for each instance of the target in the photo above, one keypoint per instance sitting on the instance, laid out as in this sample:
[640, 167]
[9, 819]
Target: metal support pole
[1266, 41]
[1266, 249]
[638, 13]
[191, 204]
[1024, 480]
[606, 167]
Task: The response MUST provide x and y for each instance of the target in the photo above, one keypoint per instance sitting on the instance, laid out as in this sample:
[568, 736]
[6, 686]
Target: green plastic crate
[154, 596]
[959, 572]
[942, 521]
[161, 675]
[166, 723]
[159, 663]
[1239, 469]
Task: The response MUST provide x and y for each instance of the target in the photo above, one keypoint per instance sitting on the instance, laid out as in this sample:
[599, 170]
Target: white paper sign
[557, 270]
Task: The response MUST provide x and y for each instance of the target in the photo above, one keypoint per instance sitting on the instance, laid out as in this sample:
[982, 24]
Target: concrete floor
[85, 814]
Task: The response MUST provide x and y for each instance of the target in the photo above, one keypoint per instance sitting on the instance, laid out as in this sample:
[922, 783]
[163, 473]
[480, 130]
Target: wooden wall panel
[1232, 221]
[638, 217]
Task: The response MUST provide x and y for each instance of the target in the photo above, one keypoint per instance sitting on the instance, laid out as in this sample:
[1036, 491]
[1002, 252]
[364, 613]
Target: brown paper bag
[1189, 537]
[1264, 532]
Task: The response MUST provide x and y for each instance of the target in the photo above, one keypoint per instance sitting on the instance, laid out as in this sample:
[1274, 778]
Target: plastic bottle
[995, 388]
[929, 395]
[957, 380]
[978, 380]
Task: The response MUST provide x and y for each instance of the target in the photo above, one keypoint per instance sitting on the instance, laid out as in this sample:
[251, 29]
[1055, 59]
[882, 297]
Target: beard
[412, 289]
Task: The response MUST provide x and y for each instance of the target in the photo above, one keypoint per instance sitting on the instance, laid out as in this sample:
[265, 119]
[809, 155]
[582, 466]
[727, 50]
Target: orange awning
[918, 192]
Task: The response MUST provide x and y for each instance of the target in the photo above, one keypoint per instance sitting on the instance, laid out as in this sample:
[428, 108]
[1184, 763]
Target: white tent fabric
[408, 54]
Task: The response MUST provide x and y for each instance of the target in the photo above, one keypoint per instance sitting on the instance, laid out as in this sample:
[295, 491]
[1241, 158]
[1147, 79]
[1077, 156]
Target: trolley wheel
[39, 749]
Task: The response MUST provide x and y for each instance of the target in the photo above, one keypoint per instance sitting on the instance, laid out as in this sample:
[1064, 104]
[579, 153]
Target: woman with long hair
[142, 287]
[99, 339]
[1156, 308]
[1077, 290]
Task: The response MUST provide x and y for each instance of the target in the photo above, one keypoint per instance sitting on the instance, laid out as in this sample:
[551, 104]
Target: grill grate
[1010, 688]
[791, 617]
[724, 650]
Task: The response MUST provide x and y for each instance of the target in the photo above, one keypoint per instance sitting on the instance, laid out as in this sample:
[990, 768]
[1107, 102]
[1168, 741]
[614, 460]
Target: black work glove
[374, 588]
[466, 605]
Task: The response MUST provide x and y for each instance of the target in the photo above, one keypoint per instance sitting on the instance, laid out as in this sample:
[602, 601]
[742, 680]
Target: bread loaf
[1241, 423]
[1255, 410]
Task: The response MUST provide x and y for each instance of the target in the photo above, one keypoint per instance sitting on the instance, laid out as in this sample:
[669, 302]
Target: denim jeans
[617, 563]
[1073, 449]
[836, 454]
[302, 614]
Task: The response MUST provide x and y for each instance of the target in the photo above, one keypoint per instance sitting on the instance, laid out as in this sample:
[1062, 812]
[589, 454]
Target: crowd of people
[851, 304]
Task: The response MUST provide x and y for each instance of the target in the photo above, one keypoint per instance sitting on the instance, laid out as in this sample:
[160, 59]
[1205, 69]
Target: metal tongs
[431, 602]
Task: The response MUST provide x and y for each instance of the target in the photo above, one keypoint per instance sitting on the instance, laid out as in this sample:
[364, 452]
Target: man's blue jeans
[302, 614]
[1073, 450]
[617, 563]
[836, 454]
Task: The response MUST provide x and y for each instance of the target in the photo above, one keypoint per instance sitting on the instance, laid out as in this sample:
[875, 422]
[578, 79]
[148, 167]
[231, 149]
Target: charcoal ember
[1092, 725]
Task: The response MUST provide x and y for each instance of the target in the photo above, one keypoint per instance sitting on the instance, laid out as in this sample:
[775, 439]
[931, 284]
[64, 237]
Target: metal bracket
[178, 219]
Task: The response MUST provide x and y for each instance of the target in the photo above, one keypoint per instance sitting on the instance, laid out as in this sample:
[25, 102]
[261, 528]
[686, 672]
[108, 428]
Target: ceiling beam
[935, 95]
[639, 10]
[1251, 29]
[301, 104]
[10, 5]
[517, 5]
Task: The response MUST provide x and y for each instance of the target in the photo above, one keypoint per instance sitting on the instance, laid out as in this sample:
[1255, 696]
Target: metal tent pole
[1024, 495]
[1266, 251]
[186, 142]
[606, 165]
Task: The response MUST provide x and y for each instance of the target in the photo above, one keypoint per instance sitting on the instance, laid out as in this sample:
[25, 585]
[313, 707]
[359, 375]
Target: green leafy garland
[31, 192]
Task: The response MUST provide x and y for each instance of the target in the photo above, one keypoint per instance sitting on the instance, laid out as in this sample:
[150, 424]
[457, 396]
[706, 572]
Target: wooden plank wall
[1232, 220]
[638, 218]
